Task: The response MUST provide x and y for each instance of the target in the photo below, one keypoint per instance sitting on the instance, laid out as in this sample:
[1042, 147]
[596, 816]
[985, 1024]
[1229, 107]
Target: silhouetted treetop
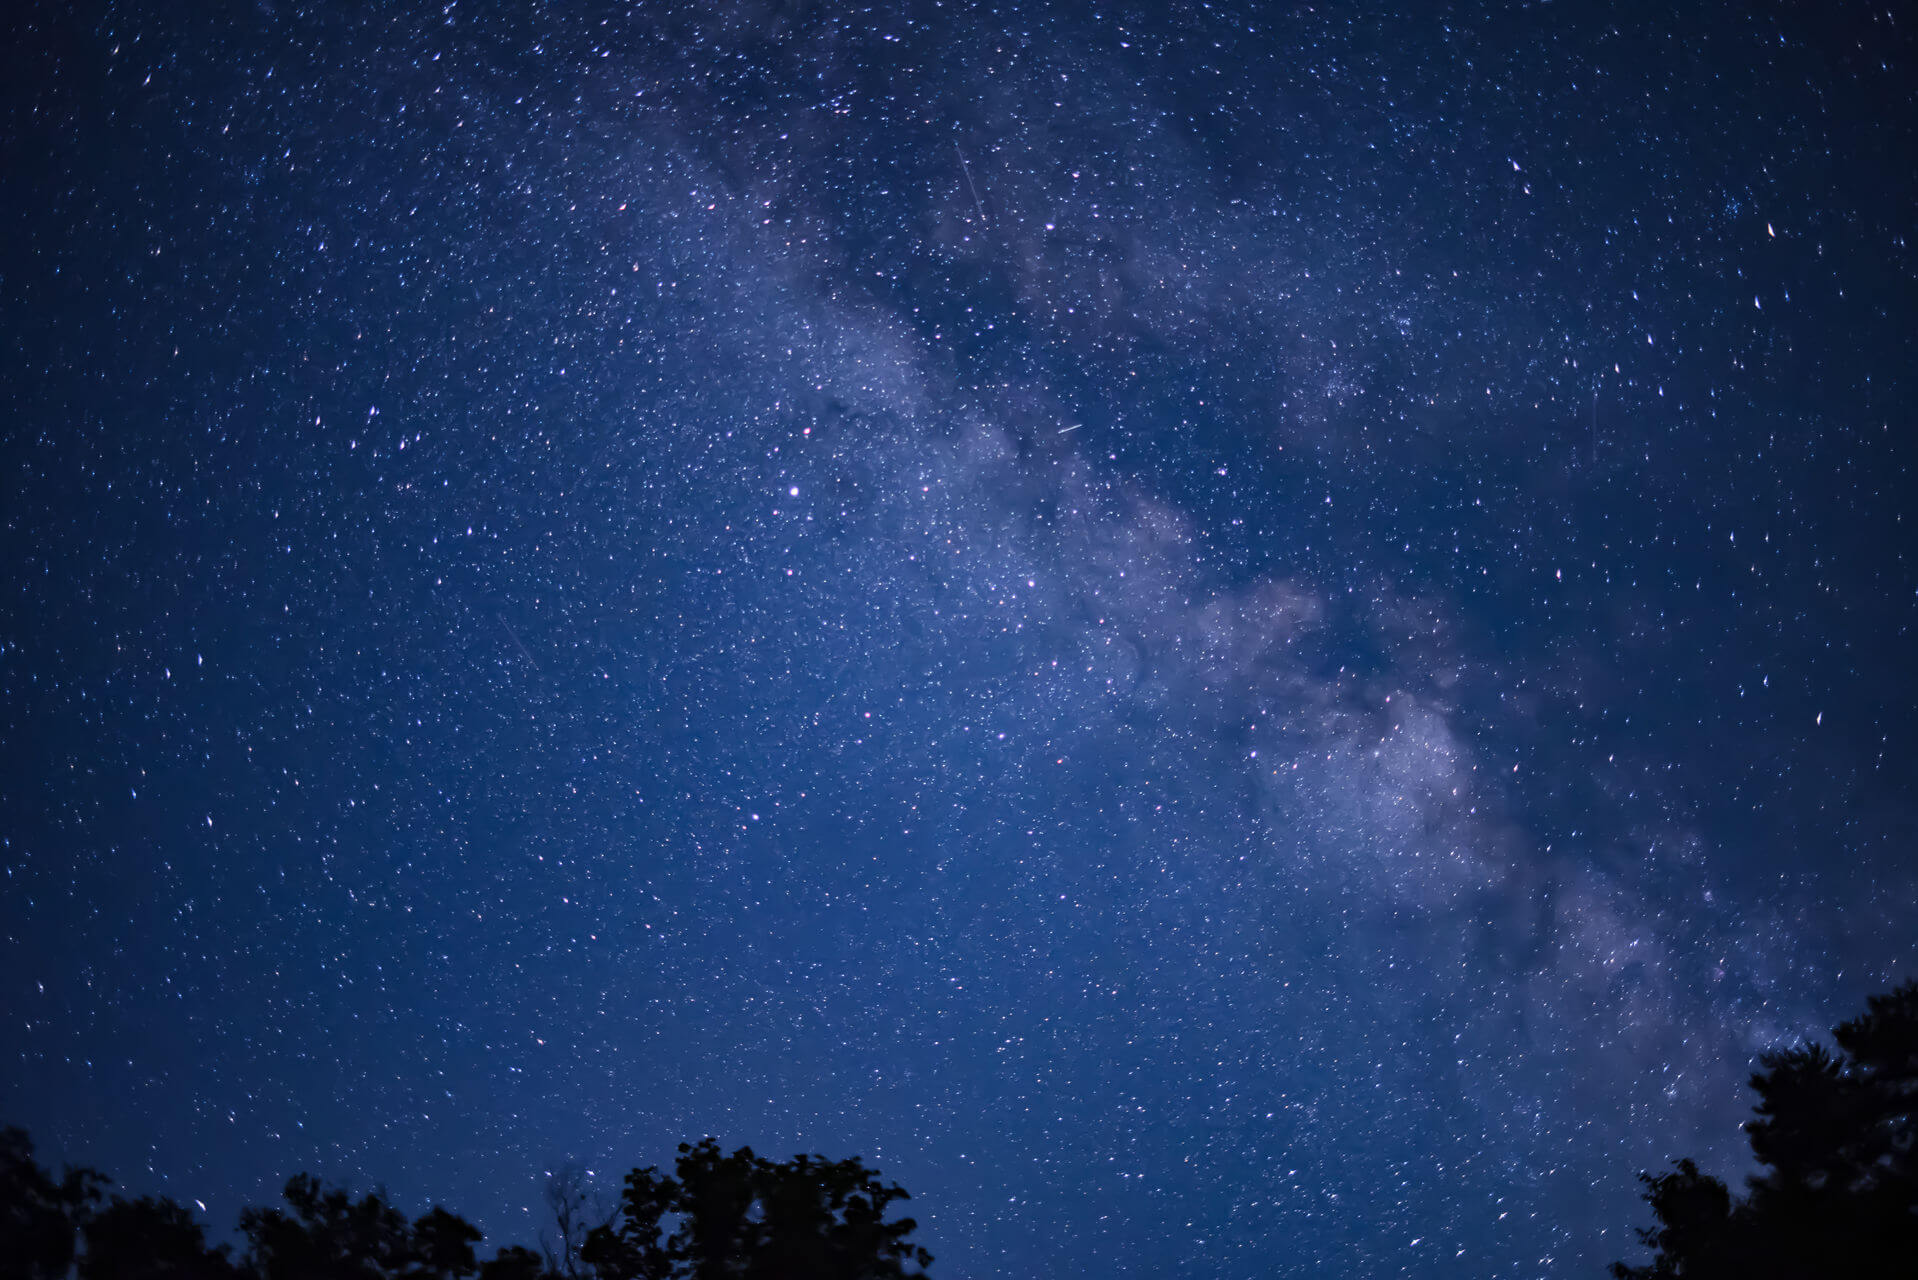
[742, 1216]
[39, 1214]
[736, 1216]
[150, 1239]
[1837, 1191]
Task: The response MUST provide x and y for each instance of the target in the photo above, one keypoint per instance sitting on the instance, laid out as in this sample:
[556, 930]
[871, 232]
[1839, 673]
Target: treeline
[1835, 1134]
[739, 1216]
[1836, 1195]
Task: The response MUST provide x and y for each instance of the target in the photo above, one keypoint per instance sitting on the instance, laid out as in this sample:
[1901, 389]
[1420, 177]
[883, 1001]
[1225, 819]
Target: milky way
[1232, 640]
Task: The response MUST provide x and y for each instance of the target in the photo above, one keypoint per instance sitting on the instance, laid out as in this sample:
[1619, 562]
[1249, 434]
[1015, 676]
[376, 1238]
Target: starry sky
[1235, 640]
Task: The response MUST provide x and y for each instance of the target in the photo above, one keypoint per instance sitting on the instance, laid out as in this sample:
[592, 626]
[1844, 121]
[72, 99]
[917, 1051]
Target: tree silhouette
[741, 1217]
[150, 1239]
[331, 1236]
[733, 1216]
[1836, 1137]
[516, 1262]
[576, 1209]
[40, 1216]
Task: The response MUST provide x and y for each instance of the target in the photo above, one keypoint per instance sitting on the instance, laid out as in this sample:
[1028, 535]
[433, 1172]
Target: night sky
[1233, 640]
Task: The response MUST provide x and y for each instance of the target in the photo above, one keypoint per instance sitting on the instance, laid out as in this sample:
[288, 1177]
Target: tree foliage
[149, 1239]
[39, 1214]
[1836, 1137]
[742, 1217]
[736, 1216]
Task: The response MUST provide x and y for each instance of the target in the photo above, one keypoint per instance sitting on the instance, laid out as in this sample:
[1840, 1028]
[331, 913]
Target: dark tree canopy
[741, 1216]
[39, 1214]
[330, 1236]
[1836, 1136]
[736, 1216]
[149, 1239]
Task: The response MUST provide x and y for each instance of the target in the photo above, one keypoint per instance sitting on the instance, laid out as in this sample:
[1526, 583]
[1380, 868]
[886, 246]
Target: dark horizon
[1228, 639]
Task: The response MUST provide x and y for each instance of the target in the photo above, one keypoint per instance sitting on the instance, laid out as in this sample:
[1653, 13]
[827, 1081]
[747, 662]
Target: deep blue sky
[1235, 641]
